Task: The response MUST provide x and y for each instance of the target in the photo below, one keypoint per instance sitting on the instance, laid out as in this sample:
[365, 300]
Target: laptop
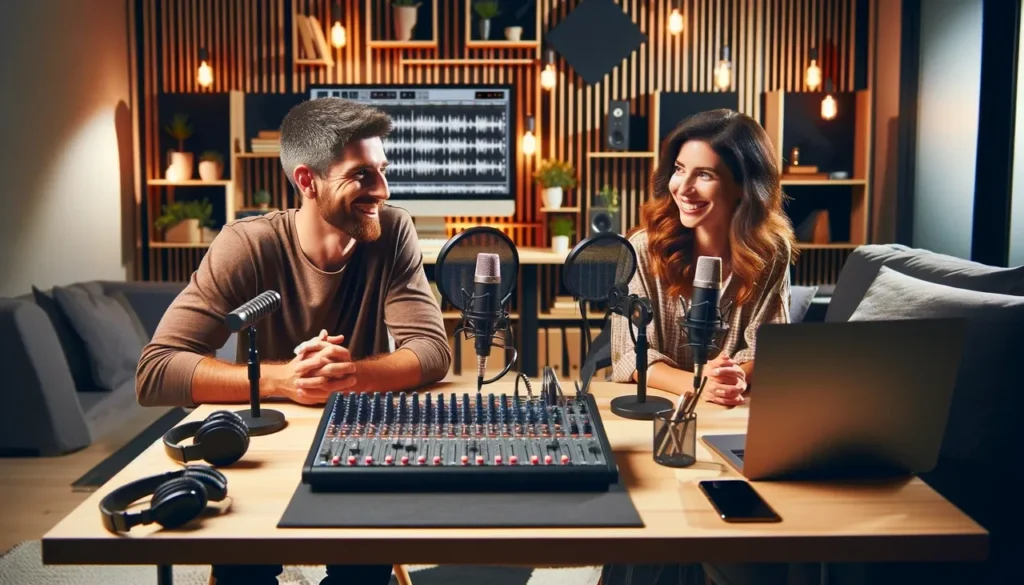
[847, 400]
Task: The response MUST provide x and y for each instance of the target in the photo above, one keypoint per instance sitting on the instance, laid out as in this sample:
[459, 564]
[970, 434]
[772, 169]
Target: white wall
[947, 128]
[1017, 188]
[64, 66]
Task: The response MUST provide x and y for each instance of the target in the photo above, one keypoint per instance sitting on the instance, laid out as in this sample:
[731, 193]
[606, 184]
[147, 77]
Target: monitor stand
[431, 230]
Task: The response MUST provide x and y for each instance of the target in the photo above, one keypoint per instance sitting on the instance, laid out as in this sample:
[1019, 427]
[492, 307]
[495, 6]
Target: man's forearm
[391, 372]
[216, 381]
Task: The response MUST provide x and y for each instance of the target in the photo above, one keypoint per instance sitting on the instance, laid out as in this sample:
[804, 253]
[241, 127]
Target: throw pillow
[106, 328]
[986, 398]
[75, 352]
[862, 267]
[800, 298]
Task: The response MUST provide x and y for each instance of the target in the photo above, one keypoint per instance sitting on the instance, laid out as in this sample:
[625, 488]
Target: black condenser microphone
[703, 321]
[254, 310]
[485, 308]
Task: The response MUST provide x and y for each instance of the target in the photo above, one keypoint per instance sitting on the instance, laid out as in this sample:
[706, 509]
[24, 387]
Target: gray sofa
[976, 468]
[68, 357]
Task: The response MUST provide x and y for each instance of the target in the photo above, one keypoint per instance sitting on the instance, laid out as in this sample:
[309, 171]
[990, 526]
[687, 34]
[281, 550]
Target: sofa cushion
[107, 329]
[986, 400]
[147, 300]
[800, 299]
[862, 266]
[71, 343]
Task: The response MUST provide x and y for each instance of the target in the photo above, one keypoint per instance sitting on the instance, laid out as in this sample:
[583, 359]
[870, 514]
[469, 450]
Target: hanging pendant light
[529, 143]
[723, 71]
[829, 107]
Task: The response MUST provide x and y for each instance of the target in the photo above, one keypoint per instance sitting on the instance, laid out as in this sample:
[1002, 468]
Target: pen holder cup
[675, 440]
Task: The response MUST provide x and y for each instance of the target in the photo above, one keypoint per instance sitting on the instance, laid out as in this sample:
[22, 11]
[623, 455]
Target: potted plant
[262, 199]
[486, 10]
[608, 198]
[180, 164]
[555, 176]
[211, 165]
[405, 18]
[561, 229]
[183, 221]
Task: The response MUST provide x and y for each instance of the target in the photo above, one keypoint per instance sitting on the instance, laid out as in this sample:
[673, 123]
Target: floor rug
[119, 459]
[22, 565]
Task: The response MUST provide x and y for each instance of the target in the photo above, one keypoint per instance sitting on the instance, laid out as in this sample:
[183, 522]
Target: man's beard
[343, 216]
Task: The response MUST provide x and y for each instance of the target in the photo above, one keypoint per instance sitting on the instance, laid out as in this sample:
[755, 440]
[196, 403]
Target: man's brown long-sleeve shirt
[382, 288]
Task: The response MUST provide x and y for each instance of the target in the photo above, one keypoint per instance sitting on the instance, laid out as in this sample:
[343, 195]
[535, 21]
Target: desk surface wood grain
[902, 520]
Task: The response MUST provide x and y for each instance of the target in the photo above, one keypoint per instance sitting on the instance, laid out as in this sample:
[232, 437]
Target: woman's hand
[726, 381]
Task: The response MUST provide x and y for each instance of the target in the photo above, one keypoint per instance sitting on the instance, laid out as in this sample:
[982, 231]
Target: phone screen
[736, 501]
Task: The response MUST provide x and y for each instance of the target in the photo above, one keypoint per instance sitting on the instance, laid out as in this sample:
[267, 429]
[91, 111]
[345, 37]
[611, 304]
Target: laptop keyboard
[739, 453]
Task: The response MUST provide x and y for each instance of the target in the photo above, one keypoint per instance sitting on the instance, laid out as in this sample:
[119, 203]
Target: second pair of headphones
[221, 439]
[178, 497]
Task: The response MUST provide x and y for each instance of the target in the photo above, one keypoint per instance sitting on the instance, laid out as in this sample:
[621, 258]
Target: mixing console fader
[460, 442]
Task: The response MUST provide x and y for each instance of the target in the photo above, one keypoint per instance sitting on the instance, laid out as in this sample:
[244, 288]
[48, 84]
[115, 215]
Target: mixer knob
[533, 460]
[335, 460]
[565, 459]
[369, 460]
[497, 459]
[351, 459]
[586, 426]
[574, 428]
[437, 460]
[479, 459]
[513, 460]
[421, 459]
[547, 460]
[388, 460]
[405, 460]
[465, 460]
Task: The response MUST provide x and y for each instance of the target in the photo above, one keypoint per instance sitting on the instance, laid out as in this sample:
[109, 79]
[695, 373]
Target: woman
[716, 193]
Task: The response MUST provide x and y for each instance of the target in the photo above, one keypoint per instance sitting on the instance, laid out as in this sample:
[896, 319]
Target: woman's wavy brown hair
[760, 230]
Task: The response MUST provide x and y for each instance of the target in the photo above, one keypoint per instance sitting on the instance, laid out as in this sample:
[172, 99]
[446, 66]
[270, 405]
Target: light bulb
[529, 144]
[675, 22]
[205, 75]
[813, 76]
[338, 35]
[828, 108]
[547, 77]
[723, 75]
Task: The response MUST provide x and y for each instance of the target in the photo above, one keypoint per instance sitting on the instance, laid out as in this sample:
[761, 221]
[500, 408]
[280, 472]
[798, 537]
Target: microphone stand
[259, 421]
[639, 313]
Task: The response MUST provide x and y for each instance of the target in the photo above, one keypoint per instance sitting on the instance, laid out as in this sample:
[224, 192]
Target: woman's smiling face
[703, 187]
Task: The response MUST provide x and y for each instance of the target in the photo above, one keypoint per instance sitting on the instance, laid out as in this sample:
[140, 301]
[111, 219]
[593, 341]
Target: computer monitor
[451, 151]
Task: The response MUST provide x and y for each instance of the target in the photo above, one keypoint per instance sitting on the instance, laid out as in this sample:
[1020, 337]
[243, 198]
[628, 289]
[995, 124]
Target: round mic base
[631, 407]
[268, 422]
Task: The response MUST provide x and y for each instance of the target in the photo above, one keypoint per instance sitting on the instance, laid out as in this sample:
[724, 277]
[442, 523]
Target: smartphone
[736, 501]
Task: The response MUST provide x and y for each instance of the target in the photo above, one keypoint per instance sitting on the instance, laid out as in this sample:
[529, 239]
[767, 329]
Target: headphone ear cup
[224, 438]
[215, 483]
[177, 501]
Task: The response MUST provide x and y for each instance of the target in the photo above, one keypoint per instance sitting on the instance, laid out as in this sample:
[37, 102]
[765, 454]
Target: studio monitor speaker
[604, 220]
[617, 127]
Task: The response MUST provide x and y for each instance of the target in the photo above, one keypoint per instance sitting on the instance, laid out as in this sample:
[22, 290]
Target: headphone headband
[113, 505]
[174, 437]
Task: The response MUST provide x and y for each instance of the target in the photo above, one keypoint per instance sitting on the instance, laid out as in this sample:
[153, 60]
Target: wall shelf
[497, 40]
[373, 16]
[402, 44]
[481, 62]
[573, 209]
[612, 154]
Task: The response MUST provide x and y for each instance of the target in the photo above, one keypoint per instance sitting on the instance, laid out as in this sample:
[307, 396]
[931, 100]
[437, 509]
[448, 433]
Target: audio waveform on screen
[446, 189]
[450, 146]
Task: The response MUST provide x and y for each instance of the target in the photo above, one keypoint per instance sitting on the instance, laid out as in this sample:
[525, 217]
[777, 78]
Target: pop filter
[476, 273]
[599, 269]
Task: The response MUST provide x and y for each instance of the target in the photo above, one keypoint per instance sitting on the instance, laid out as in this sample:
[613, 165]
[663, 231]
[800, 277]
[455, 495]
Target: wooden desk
[894, 521]
[529, 304]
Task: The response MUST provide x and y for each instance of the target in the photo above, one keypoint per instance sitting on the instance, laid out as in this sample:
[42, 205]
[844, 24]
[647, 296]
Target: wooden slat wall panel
[249, 42]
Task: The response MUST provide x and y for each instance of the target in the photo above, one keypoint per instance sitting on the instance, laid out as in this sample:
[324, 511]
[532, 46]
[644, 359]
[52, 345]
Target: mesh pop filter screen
[597, 264]
[456, 263]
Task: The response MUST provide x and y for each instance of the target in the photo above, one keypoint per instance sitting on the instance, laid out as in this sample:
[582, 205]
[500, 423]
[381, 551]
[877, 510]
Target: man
[349, 271]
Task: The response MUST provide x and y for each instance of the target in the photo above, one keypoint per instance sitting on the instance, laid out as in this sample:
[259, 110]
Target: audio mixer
[371, 441]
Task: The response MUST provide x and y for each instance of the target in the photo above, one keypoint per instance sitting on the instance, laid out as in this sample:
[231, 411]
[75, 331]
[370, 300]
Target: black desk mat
[611, 509]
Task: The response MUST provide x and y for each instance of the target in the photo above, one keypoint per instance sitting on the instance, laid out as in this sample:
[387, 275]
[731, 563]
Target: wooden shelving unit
[500, 43]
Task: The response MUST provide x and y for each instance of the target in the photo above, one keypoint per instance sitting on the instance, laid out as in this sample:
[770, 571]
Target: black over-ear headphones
[178, 496]
[220, 440]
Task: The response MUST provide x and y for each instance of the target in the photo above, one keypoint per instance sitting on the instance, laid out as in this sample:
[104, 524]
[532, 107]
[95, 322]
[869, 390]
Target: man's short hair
[314, 132]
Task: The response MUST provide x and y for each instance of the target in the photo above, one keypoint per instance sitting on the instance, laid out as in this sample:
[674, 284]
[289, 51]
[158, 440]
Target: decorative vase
[560, 244]
[405, 21]
[553, 197]
[180, 168]
[210, 170]
[184, 232]
[513, 33]
[485, 29]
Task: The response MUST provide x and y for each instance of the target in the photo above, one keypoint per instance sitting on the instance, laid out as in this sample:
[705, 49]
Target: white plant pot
[210, 170]
[405, 21]
[560, 244]
[184, 232]
[180, 166]
[513, 33]
[553, 197]
[485, 29]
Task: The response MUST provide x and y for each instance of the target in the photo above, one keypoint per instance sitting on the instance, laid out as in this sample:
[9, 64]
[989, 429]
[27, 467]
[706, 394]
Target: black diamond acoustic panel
[595, 37]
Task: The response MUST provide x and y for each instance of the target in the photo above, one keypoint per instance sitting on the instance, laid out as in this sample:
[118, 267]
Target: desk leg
[164, 575]
[528, 322]
[824, 573]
